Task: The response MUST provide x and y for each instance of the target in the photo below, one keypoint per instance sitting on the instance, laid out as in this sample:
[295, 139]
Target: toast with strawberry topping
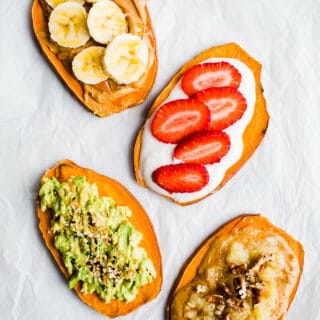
[174, 148]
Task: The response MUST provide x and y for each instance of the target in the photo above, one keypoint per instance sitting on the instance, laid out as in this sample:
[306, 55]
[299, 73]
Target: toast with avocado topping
[100, 237]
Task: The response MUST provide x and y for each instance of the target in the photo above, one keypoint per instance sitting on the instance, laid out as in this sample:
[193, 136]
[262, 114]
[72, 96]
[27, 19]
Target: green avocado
[98, 244]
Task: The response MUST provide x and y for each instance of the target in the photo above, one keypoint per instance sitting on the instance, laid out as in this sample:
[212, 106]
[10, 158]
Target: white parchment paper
[41, 123]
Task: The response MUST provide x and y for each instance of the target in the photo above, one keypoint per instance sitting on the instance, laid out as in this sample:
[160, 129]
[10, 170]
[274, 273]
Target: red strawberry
[179, 118]
[207, 75]
[226, 104]
[182, 177]
[204, 147]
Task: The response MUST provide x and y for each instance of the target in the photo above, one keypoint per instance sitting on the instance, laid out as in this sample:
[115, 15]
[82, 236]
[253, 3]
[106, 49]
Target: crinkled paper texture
[41, 123]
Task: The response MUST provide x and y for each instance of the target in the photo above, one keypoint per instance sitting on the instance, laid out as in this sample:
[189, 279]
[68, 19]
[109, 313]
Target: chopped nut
[234, 304]
[238, 269]
[260, 262]
[240, 286]
[215, 298]
[252, 274]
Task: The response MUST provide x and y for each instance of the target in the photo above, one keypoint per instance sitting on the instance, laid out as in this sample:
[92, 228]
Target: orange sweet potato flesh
[256, 128]
[105, 98]
[65, 169]
[260, 223]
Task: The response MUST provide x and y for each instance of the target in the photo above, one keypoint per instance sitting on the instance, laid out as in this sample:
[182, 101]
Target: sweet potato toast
[251, 137]
[66, 169]
[107, 97]
[218, 251]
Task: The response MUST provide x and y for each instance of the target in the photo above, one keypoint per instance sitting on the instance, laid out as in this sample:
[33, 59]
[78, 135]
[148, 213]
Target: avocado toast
[100, 237]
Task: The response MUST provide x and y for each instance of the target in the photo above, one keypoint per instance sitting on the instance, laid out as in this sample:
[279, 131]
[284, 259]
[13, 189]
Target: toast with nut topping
[248, 269]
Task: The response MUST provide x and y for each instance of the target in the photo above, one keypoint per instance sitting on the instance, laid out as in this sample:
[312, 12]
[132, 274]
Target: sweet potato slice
[65, 169]
[108, 97]
[195, 266]
[253, 133]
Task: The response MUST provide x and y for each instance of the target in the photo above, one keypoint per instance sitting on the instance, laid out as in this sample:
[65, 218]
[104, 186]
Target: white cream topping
[155, 154]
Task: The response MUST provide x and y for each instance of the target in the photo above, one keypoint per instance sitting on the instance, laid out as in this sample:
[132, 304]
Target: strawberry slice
[207, 75]
[204, 147]
[179, 118]
[182, 177]
[227, 105]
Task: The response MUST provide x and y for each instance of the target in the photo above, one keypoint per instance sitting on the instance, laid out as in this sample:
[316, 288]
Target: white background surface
[41, 123]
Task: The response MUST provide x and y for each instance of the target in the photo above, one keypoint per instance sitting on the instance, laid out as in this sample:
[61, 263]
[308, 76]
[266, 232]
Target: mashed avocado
[98, 244]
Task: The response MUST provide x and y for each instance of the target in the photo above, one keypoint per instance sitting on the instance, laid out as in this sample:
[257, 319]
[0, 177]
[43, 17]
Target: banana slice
[68, 25]
[87, 65]
[106, 21]
[54, 3]
[126, 58]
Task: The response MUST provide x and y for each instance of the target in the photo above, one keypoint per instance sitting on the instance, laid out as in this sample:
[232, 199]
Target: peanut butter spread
[248, 274]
